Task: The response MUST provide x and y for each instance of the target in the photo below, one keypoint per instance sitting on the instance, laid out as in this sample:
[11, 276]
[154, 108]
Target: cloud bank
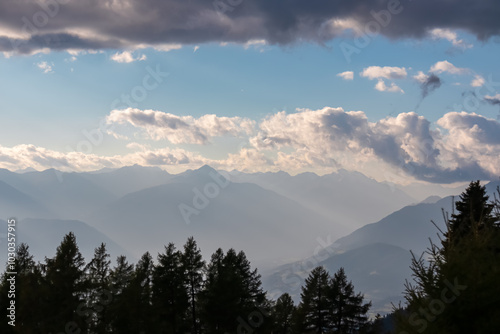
[31, 26]
[460, 146]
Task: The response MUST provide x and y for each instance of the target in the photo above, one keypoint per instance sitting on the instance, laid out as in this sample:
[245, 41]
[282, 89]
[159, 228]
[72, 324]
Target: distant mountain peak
[205, 169]
[26, 170]
[431, 199]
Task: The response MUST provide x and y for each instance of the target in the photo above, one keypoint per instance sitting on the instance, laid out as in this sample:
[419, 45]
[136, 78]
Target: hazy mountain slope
[422, 190]
[43, 237]
[409, 228]
[14, 203]
[129, 179]
[377, 270]
[67, 195]
[349, 197]
[268, 227]
[376, 256]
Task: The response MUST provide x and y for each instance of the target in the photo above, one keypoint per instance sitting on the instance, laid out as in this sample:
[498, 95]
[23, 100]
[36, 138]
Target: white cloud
[472, 139]
[255, 43]
[460, 146]
[163, 47]
[39, 158]
[45, 67]
[127, 57]
[386, 72]
[451, 36]
[494, 97]
[478, 81]
[403, 143]
[181, 129]
[336, 27]
[393, 88]
[137, 146]
[446, 66]
[347, 75]
[421, 77]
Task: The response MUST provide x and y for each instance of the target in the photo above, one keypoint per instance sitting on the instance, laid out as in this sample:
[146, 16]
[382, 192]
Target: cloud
[428, 83]
[393, 88]
[39, 158]
[478, 81]
[126, 57]
[446, 66]
[460, 146]
[386, 72]
[45, 67]
[451, 36]
[406, 143]
[493, 100]
[347, 75]
[181, 129]
[256, 43]
[421, 77]
[123, 25]
[472, 140]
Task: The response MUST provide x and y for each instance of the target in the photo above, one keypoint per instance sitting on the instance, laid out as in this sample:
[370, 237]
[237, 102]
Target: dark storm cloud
[97, 24]
[432, 83]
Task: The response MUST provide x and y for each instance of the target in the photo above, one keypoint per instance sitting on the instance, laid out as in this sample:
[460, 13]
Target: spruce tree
[232, 298]
[314, 306]
[347, 310]
[63, 289]
[282, 314]
[170, 298]
[473, 213]
[212, 297]
[98, 296]
[456, 290]
[118, 308]
[28, 281]
[138, 297]
[193, 266]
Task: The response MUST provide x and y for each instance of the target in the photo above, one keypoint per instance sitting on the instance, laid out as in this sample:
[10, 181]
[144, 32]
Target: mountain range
[285, 224]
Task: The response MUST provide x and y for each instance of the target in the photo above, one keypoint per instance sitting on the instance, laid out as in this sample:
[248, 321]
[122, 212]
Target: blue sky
[52, 96]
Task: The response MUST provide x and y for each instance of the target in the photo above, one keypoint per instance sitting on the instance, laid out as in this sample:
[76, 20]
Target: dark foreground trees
[178, 294]
[457, 290]
[330, 305]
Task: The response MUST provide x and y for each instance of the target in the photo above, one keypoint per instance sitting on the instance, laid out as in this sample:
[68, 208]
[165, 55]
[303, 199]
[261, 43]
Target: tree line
[180, 293]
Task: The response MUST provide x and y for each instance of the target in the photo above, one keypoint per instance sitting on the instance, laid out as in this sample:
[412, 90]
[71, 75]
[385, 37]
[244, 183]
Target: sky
[397, 90]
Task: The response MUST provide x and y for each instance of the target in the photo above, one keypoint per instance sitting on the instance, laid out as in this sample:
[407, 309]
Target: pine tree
[233, 299]
[211, 297]
[98, 296]
[314, 305]
[63, 288]
[348, 313]
[27, 285]
[193, 266]
[456, 290]
[474, 213]
[118, 308]
[170, 298]
[282, 314]
[138, 297]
